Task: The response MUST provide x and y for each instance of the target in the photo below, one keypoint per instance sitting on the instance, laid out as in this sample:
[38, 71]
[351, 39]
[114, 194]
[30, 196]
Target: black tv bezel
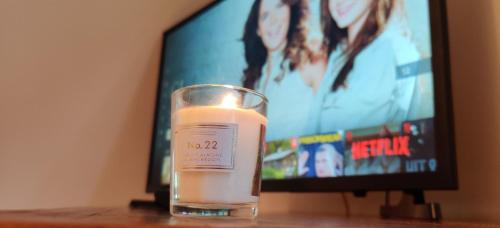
[445, 178]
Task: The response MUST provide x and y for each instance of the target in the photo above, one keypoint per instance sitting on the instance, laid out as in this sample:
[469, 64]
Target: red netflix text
[396, 146]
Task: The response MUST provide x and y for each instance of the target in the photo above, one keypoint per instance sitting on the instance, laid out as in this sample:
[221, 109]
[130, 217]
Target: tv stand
[412, 205]
[161, 201]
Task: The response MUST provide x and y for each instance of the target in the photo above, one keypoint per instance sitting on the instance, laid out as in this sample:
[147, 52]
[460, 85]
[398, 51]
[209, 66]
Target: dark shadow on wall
[129, 158]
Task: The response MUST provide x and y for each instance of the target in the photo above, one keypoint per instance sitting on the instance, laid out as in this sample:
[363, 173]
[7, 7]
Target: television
[359, 91]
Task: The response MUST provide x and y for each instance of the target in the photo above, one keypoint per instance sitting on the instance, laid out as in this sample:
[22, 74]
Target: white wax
[225, 186]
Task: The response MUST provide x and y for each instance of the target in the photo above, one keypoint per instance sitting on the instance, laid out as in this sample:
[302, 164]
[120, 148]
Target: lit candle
[216, 152]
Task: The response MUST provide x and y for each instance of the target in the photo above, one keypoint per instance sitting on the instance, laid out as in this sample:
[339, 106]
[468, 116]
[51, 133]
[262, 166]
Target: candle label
[206, 146]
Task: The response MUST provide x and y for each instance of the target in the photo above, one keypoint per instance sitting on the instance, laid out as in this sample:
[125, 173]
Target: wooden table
[125, 217]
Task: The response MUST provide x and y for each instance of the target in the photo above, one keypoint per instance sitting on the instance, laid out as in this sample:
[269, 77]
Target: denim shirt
[372, 96]
[289, 100]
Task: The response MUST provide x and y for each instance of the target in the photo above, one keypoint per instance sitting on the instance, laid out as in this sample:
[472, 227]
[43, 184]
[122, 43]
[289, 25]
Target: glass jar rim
[251, 91]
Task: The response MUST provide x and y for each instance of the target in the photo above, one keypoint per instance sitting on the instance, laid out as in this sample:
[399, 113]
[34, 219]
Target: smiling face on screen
[273, 24]
[349, 12]
[328, 161]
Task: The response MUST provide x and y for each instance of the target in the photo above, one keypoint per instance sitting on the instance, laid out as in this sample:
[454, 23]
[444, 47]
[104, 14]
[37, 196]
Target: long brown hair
[378, 14]
[299, 53]
[255, 51]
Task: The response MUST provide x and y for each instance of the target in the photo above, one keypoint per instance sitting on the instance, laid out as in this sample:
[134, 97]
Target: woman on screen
[328, 161]
[270, 27]
[360, 87]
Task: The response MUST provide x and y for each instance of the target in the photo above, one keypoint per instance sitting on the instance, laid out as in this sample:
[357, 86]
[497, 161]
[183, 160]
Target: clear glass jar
[217, 149]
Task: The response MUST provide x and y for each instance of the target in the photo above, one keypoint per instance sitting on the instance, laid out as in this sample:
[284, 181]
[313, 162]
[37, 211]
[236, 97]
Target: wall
[77, 90]
[77, 81]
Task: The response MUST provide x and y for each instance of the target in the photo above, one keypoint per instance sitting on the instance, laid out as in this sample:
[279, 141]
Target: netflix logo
[395, 146]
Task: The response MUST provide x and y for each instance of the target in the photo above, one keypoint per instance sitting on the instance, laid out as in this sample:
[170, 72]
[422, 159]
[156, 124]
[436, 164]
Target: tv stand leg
[161, 201]
[412, 205]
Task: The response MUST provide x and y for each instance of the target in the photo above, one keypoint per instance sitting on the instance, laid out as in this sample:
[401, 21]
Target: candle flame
[229, 101]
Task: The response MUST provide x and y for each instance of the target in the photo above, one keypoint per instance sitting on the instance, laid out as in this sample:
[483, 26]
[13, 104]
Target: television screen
[350, 82]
